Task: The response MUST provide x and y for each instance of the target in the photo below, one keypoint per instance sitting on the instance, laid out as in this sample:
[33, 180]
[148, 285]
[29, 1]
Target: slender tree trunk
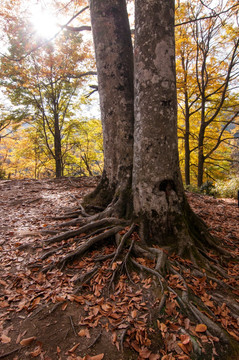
[201, 137]
[186, 141]
[57, 147]
[114, 59]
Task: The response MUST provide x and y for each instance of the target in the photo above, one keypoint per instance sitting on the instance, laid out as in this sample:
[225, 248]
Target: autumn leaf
[185, 339]
[144, 353]
[36, 352]
[114, 337]
[96, 357]
[154, 357]
[201, 328]
[27, 341]
[73, 348]
[5, 339]
[84, 332]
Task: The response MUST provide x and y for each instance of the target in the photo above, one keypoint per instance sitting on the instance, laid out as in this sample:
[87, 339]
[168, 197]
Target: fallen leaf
[73, 348]
[154, 357]
[144, 353]
[84, 332]
[201, 328]
[27, 341]
[36, 352]
[185, 339]
[114, 337]
[64, 306]
[5, 339]
[97, 357]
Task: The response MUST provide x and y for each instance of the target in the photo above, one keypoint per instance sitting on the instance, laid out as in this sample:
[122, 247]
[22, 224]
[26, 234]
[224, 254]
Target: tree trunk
[114, 59]
[186, 141]
[201, 147]
[57, 147]
[159, 201]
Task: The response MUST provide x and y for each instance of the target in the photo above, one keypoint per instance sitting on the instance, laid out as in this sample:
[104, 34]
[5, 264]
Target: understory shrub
[227, 188]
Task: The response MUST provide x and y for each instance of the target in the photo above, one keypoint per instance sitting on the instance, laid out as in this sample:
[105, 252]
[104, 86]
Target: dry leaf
[114, 266]
[183, 347]
[154, 357]
[114, 337]
[84, 332]
[201, 328]
[106, 307]
[27, 341]
[97, 357]
[185, 339]
[36, 352]
[144, 353]
[73, 348]
[133, 314]
[64, 306]
[5, 339]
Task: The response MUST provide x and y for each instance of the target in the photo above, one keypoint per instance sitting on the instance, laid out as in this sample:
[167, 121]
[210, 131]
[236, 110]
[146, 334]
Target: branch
[206, 17]
[77, 28]
[83, 74]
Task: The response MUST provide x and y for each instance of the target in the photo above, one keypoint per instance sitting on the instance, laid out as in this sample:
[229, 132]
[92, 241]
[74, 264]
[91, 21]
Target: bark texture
[157, 185]
[114, 59]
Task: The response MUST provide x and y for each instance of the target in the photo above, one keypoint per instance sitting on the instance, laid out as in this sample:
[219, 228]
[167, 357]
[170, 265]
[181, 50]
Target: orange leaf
[64, 306]
[201, 328]
[27, 341]
[97, 357]
[84, 332]
[73, 348]
[106, 307]
[133, 314]
[114, 337]
[36, 352]
[185, 339]
[144, 353]
[5, 339]
[183, 347]
[154, 357]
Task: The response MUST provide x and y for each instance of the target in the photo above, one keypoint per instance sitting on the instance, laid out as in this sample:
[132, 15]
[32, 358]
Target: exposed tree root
[85, 228]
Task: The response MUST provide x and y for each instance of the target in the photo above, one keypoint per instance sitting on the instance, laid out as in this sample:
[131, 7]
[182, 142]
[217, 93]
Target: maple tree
[207, 68]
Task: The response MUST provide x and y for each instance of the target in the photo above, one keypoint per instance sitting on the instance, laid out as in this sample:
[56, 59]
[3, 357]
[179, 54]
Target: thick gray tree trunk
[114, 59]
[159, 200]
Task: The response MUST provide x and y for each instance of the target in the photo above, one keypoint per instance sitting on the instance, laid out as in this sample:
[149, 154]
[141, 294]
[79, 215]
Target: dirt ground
[41, 314]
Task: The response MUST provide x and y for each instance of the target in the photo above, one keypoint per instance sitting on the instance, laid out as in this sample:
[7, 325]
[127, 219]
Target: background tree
[41, 88]
[207, 66]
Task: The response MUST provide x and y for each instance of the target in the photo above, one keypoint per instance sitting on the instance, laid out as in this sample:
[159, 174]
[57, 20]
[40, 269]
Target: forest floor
[43, 317]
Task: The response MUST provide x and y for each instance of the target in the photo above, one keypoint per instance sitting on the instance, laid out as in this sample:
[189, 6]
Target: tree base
[192, 291]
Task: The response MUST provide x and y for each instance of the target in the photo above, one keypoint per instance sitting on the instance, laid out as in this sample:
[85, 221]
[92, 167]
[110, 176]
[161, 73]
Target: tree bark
[159, 201]
[114, 59]
[57, 148]
[186, 140]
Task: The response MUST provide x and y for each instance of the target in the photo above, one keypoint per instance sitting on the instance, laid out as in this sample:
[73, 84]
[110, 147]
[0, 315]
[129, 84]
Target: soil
[41, 315]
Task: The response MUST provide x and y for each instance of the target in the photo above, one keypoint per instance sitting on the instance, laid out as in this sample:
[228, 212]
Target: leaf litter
[42, 317]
